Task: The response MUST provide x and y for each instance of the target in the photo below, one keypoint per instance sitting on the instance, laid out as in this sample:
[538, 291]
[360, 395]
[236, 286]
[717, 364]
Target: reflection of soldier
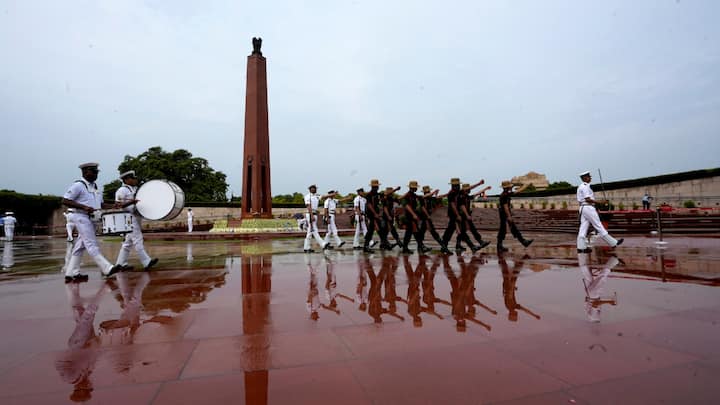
[509, 288]
[472, 269]
[390, 267]
[313, 298]
[428, 286]
[189, 251]
[375, 308]
[131, 304]
[594, 283]
[413, 292]
[361, 290]
[457, 297]
[461, 295]
[77, 363]
[8, 257]
[331, 291]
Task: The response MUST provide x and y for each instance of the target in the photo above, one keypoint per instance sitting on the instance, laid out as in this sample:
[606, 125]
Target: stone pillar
[256, 197]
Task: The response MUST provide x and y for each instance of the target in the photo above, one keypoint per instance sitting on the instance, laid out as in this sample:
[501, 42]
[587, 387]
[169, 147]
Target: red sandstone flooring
[228, 322]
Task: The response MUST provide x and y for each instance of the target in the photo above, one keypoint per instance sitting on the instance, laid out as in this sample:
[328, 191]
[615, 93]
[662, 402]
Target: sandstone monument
[537, 179]
[256, 197]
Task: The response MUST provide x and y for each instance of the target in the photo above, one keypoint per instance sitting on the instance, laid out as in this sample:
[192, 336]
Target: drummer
[83, 195]
[125, 198]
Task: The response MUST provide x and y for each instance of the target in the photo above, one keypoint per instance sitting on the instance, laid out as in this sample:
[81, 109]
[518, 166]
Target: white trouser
[589, 216]
[134, 238]
[332, 230]
[360, 228]
[312, 232]
[190, 225]
[8, 257]
[88, 241]
[9, 231]
[69, 226]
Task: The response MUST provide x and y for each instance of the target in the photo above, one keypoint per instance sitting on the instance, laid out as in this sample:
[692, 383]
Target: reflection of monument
[256, 197]
[256, 285]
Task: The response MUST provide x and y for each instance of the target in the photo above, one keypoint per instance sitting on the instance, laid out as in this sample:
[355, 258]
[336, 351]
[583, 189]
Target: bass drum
[159, 200]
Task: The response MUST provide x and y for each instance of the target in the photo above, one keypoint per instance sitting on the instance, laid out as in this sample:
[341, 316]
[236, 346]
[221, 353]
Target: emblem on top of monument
[257, 43]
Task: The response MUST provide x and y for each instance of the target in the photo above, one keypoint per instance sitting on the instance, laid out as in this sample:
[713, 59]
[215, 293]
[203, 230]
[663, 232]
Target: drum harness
[87, 188]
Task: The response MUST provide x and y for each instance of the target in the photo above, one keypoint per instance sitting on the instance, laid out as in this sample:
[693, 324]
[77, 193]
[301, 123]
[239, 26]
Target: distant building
[537, 179]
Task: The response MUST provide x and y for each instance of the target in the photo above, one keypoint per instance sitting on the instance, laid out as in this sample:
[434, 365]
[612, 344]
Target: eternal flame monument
[256, 197]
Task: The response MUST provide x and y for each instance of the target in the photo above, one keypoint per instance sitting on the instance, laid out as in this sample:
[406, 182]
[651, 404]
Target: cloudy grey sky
[395, 90]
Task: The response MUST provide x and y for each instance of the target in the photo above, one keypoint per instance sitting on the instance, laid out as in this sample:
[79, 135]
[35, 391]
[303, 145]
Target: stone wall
[703, 192]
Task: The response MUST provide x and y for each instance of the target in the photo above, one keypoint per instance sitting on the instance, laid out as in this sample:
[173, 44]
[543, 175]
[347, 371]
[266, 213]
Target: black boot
[501, 248]
[526, 242]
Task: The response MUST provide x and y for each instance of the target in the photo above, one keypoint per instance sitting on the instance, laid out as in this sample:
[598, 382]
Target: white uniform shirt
[85, 193]
[359, 202]
[124, 194]
[331, 204]
[313, 200]
[9, 220]
[584, 191]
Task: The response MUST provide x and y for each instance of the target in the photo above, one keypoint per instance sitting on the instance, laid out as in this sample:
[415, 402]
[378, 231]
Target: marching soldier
[455, 219]
[465, 204]
[83, 195]
[428, 202]
[504, 210]
[9, 225]
[412, 219]
[373, 217]
[312, 201]
[125, 197]
[589, 216]
[329, 214]
[360, 226]
[388, 200]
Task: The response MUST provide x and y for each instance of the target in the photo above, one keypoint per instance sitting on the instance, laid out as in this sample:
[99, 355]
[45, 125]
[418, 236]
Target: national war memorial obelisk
[256, 197]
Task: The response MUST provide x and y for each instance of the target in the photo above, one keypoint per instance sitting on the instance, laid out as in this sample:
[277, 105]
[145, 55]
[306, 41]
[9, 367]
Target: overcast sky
[395, 90]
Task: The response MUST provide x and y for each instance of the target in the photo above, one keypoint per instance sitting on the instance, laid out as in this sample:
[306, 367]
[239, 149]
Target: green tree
[559, 185]
[294, 198]
[193, 175]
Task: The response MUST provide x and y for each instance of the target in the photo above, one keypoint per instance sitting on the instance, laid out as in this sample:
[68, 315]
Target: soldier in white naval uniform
[360, 226]
[83, 195]
[9, 225]
[330, 207]
[125, 197]
[312, 201]
[589, 216]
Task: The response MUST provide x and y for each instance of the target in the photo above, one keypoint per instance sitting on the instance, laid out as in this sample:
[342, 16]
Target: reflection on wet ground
[261, 322]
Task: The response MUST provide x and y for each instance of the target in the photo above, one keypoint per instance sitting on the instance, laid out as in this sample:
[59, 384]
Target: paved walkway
[258, 322]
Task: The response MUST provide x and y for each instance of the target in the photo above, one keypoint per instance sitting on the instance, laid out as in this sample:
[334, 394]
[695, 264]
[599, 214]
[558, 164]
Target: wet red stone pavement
[259, 322]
